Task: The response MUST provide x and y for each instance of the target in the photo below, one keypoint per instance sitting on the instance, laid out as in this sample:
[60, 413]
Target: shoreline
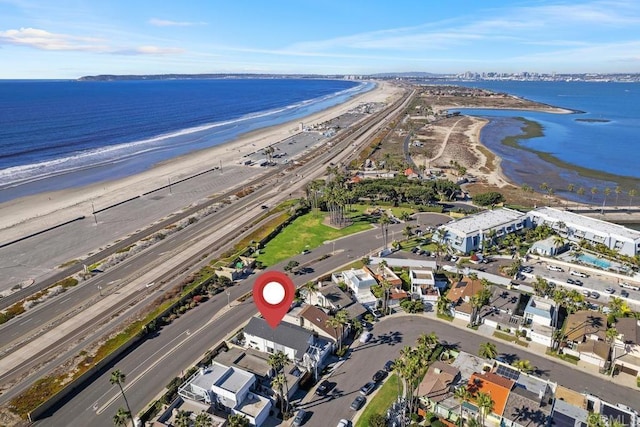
[31, 213]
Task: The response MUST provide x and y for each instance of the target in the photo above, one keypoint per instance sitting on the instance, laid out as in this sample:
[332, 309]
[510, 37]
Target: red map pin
[273, 293]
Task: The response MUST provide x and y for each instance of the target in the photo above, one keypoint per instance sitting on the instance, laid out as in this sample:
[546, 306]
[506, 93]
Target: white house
[228, 389]
[540, 311]
[299, 344]
[360, 282]
[423, 284]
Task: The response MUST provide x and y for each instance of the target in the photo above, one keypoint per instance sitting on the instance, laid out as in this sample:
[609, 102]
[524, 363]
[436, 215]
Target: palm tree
[485, 404]
[118, 377]
[203, 420]
[277, 383]
[310, 288]
[384, 222]
[488, 350]
[594, 191]
[611, 335]
[443, 305]
[632, 193]
[462, 394]
[278, 361]
[335, 324]
[386, 287]
[619, 307]
[523, 366]
[607, 192]
[237, 420]
[182, 419]
[121, 417]
[618, 191]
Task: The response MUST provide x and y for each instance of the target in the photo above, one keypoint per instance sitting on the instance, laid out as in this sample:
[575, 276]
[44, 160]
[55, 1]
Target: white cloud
[168, 23]
[149, 50]
[44, 40]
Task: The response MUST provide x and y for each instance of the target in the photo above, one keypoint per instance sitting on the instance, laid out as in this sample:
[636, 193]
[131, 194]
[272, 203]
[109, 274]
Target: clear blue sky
[72, 38]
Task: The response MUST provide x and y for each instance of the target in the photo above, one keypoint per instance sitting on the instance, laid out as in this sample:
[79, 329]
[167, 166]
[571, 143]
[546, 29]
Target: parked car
[299, 418]
[358, 402]
[624, 293]
[578, 282]
[389, 365]
[306, 251]
[365, 337]
[586, 293]
[595, 295]
[629, 286]
[554, 268]
[367, 388]
[577, 273]
[571, 281]
[323, 388]
[375, 312]
[379, 375]
[609, 290]
[343, 423]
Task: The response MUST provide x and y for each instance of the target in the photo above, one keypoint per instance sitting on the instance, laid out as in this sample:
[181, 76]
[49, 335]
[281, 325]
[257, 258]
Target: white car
[554, 268]
[343, 423]
[365, 337]
[577, 273]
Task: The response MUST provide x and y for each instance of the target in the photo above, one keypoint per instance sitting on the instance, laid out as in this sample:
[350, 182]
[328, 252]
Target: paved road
[403, 330]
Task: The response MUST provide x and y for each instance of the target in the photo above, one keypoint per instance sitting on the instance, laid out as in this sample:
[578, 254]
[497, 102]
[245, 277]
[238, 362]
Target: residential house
[540, 316]
[576, 227]
[381, 272]
[502, 309]
[423, 286]
[460, 296]
[313, 318]
[626, 349]
[436, 386]
[167, 418]
[497, 387]
[475, 232]
[585, 331]
[623, 414]
[257, 363]
[567, 415]
[301, 345]
[329, 295]
[529, 403]
[547, 247]
[360, 282]
[228, 389]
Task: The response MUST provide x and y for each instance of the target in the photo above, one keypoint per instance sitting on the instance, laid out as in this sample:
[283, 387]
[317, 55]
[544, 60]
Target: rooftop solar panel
[508, 372]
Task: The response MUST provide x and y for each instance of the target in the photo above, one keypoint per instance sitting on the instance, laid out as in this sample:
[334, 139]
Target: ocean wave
[86, 159]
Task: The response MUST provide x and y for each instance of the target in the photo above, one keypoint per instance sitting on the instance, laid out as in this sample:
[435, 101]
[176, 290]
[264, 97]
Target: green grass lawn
[308, 232]
[387, 394]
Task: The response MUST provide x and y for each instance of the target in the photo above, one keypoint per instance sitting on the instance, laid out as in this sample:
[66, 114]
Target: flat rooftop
[252, 405]
[485, 220]
[585, 222]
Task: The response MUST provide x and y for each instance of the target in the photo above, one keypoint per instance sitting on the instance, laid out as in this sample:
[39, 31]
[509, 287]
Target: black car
[389, 366]
[379, 376]
[571, 281]
[323, 388]
[367, 388]
[358, 402]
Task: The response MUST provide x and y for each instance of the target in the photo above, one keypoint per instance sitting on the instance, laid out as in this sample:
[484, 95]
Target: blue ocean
[604, 135]
[59, 134]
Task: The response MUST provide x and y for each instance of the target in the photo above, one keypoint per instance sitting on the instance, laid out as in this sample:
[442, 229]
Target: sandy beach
[30, 214]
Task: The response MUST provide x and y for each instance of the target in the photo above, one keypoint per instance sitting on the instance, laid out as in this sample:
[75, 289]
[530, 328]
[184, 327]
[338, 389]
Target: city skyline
[70, 39]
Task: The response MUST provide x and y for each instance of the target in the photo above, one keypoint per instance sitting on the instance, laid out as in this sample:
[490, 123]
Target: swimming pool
[598, 262]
